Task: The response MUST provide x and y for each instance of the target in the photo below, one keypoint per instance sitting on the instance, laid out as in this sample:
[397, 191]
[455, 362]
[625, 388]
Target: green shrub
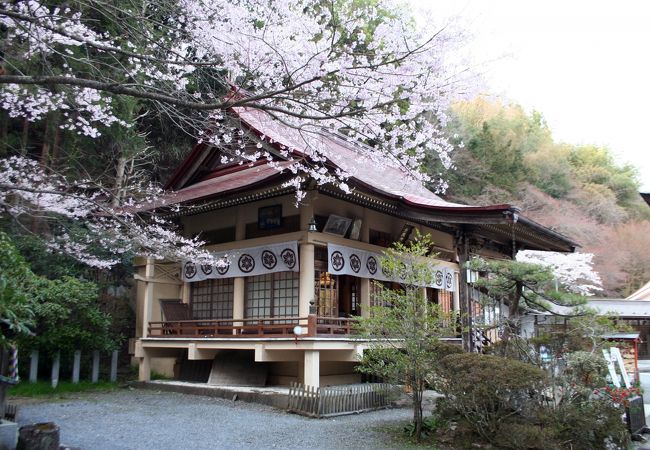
[514, 435]
[511, 404]
[16, 312]
[430, 425]
[486, 390]
[67, 317]
[586, 368]
[590, 425]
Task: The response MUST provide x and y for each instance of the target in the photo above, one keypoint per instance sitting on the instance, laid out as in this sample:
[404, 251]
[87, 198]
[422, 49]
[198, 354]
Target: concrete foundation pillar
[306, 291]
[144, 372]
[312, 368]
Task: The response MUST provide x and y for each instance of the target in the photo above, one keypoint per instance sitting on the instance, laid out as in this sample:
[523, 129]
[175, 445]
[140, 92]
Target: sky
[585, 65]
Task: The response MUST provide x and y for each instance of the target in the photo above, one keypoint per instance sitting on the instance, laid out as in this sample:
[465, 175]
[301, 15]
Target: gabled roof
[202, 175]
[247, 177]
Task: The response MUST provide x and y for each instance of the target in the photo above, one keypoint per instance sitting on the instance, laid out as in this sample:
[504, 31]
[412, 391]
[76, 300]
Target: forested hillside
[505, 155]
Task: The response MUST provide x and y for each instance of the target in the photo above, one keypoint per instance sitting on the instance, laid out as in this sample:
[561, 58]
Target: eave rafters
[230, 201]
[521, 235]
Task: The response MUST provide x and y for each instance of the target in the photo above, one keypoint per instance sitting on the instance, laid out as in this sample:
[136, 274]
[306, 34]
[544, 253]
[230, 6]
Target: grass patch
[396, 435]
[44, 388]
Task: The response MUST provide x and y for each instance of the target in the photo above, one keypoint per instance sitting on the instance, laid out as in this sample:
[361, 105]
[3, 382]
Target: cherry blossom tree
[573, 270]
[363, 68]
[359, 68]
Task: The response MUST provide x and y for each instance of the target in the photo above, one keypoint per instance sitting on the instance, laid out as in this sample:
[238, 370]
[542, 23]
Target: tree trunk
[56, 144]
[4, 131]
[45, 148]
[25, 136]
[416, 385]
[39, 436]
[119, 181]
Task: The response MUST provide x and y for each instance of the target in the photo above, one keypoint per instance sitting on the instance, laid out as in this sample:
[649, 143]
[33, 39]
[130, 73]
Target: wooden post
[457, 317]
[306, 288]
[148, 296]
[33, 367]
[239, 301]
[365, 227]
[463, 292]
[76, 366]
[311, 325]
[56, 362]
[114, 366]
[364, 294]
[95, 372]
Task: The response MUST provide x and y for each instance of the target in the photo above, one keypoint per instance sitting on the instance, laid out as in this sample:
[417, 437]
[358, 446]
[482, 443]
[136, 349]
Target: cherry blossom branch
[26, 189]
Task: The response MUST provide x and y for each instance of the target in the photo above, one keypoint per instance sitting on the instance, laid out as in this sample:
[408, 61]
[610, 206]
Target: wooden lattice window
[212, 299]
[326, 293]
[375, 292]
[355, 299]
[272, 295]
[444, 299]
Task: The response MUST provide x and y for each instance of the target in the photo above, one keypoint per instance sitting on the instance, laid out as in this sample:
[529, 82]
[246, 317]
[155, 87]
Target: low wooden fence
[76, 367]
[338, 400]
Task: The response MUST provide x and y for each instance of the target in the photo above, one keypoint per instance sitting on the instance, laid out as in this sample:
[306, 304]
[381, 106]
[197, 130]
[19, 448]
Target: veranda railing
[257, 327]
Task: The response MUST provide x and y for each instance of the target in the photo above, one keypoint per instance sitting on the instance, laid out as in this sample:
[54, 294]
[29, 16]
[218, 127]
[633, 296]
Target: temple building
[295, 277]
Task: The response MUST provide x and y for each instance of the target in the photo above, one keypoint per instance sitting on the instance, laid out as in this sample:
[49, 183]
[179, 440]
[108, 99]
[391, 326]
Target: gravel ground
[143, 419]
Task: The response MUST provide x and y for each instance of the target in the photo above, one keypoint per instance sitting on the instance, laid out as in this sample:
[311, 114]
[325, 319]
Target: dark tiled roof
[248, 176]
[344, 155]
[200, 177]
[230, 182]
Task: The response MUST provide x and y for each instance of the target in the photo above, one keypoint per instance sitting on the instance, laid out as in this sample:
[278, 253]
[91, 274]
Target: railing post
[76, 365]
[95, 372]
[311, 325]
[33, 367]
[55, 369]
[114, 366]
